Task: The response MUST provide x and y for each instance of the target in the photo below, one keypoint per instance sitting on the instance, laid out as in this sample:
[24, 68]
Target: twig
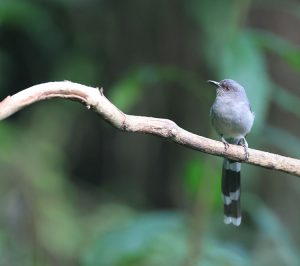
[94, 99]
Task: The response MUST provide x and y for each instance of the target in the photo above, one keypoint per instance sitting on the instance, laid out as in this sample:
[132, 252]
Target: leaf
[76, 67]
[243, 61]
[140, 241]
[286, 100]
[288, 51]
[219, 22]
[34, 21]
[128, 91]
[275, 137]
[193, 174]
[232, 52]
[275, 246]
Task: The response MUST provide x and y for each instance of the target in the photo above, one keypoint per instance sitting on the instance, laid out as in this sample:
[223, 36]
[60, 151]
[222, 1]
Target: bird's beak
[214, 82]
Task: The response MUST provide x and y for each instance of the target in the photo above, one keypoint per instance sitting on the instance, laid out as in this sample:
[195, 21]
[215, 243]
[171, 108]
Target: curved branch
[93, 98]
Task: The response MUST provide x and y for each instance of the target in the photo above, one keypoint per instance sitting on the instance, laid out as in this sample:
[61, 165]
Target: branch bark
[94, 99]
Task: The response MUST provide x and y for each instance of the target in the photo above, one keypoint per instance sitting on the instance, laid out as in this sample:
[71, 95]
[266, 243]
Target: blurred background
[75, 191]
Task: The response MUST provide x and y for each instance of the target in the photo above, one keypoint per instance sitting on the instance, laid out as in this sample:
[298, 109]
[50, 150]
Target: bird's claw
[226, 144]
[244, 143]
[246, 152]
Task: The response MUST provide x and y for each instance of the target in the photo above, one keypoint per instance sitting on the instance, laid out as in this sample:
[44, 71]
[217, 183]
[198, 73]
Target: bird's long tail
[231, 192]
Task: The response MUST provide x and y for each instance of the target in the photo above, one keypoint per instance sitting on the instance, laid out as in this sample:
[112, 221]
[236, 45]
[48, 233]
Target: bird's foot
[226, 144]
[244, 143]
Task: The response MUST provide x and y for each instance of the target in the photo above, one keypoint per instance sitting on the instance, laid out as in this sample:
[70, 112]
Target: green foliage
[77, 68]
[47, 217]
[193, 175]
[234, 53]
[165, 238]
[288, 51]
[129, 90]
[244, 61]
[287, 101]
[145, 240]
[32, 20]
[273, 238]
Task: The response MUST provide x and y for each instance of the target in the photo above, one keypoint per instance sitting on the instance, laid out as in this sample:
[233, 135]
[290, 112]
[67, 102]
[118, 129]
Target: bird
[232, 118]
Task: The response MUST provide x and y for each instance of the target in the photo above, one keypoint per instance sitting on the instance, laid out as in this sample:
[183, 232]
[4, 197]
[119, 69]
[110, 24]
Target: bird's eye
[226, 88]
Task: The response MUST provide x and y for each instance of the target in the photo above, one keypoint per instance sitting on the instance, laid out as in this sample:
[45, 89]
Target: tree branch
[94, 99]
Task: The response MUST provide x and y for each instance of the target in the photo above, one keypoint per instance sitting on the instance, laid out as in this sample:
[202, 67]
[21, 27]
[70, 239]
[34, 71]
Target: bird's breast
[232, 119]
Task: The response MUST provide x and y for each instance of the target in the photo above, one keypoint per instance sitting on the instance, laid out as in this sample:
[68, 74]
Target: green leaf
[76, 67]
[232, 52]
[288, 51]
[24, 15]
[286, 100]
[219, 22]
[128, 91]
[243, 61]
[146, 240]
[275, 137]
[193, 174]
[275, 246]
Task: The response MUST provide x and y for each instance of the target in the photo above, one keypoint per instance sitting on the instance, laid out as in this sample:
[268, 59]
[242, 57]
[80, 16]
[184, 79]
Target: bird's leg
[226, 144]
[243, 142]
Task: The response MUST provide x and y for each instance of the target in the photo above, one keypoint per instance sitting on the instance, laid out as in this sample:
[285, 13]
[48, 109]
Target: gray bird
[232, 118]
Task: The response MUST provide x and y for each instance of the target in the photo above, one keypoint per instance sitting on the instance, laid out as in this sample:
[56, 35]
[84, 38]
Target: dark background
[75, 191]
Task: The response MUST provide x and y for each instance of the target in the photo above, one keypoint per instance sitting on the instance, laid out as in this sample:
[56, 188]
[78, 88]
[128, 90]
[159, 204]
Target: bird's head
[227, 86]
